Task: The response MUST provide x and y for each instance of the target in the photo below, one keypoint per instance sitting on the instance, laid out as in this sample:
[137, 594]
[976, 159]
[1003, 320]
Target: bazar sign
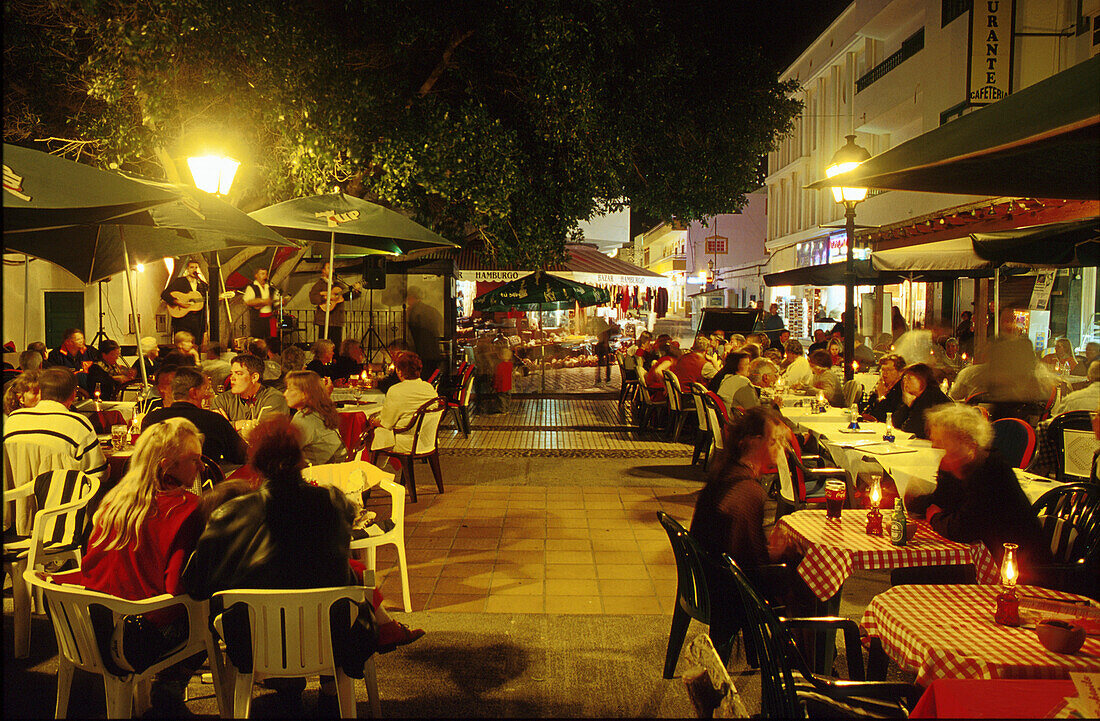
[989, 72]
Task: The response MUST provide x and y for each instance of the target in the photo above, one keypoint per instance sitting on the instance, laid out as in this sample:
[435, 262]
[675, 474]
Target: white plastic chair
[343, 476]
[79, 646]
[56, 535]
[291, 636]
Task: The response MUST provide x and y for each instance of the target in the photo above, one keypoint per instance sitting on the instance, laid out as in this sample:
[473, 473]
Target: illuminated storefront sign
[989, 72]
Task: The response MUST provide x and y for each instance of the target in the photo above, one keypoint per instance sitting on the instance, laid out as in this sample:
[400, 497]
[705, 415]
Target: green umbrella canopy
[540, 291]
[196, 223]
[1071, 244]
[348, 221]
[44, 191]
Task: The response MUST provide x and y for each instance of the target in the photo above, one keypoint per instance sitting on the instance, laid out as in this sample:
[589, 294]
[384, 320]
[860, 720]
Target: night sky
[779, 29]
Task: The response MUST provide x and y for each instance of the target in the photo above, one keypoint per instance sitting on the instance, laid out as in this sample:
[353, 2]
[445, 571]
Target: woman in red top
[144, 532]
[654, 377]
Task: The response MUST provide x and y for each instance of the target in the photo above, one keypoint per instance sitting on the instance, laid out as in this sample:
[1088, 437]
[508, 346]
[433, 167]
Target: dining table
[948, 631]
[831, 549]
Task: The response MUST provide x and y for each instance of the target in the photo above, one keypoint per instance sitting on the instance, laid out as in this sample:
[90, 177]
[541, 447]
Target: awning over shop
[586, 264]
[1045, 246]
[1040, 142]
[831, 274]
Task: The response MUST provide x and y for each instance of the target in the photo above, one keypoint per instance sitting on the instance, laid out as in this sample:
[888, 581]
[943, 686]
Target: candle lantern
[1008, 604]
[821, 405]
[874, 516]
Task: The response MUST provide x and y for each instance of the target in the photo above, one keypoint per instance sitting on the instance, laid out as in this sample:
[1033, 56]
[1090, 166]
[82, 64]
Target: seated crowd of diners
[151, 534]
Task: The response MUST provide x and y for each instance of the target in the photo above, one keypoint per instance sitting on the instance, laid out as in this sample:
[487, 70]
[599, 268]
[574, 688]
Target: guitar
[190, 302]
[338, 296]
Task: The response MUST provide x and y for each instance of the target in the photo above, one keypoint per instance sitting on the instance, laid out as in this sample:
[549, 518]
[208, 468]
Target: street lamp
[213, 173]
[848, 158]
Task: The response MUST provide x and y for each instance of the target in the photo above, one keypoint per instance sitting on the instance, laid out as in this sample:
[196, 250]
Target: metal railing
[298, 325]
[910, 47]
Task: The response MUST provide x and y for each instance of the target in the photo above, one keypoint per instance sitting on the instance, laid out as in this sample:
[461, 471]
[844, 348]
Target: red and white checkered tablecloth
[949, 632]
[831, 549]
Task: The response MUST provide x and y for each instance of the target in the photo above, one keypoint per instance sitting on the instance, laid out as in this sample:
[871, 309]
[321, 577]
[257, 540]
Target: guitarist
[340, 293]
[187, 292]
[261, 298]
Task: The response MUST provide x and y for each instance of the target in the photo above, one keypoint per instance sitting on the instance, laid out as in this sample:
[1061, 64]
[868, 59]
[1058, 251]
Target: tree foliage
[507, 120]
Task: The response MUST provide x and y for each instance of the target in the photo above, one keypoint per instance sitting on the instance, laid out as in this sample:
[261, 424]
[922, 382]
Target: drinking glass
[835, 494]
[118, 437]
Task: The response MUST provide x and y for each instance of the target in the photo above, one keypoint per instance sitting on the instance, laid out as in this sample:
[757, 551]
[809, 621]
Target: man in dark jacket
[888, 391]
[220, 441]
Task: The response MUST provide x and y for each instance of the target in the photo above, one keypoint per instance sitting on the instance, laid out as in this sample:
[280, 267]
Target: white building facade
[887, 71]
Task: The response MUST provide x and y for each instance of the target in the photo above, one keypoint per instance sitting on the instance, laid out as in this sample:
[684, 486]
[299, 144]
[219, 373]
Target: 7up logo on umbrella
[331, 216]
[14, 184]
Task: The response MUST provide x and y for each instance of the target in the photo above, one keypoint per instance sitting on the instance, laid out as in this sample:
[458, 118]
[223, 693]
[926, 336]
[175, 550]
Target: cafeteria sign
[989, 71]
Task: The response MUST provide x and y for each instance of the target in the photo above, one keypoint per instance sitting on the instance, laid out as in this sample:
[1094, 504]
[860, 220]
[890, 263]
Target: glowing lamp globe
[848, 157]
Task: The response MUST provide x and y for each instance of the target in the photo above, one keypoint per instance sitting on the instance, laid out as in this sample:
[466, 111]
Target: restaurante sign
[989, 72]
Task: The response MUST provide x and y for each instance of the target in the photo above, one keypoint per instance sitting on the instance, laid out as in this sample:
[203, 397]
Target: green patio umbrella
[195, 223]
[540, 291]
[45, 191]
[357, 226]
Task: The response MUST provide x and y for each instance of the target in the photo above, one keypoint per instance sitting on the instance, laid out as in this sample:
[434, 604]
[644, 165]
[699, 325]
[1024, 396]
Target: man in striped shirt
[51, 425]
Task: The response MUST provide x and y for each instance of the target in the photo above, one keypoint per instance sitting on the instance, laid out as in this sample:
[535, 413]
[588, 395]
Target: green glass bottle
[897, 524]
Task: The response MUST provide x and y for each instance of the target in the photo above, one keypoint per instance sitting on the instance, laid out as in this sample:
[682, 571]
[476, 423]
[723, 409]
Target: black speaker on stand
[374, 278]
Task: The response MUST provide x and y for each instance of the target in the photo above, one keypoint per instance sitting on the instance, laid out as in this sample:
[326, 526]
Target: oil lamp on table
[1008, 604]
[874, 516]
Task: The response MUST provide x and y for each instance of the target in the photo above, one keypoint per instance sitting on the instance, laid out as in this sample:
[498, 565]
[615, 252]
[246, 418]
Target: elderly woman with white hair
[150, 352]
[977, 498]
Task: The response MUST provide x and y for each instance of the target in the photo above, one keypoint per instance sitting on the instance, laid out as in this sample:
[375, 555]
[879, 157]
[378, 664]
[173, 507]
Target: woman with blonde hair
[316, 418]
[21, 392]
[143, 533]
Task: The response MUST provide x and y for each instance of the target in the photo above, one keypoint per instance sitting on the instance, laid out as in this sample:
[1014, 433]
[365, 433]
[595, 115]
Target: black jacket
[911, 418]
[889, 403]
[987, 505]
[220, 443]
[282, 536]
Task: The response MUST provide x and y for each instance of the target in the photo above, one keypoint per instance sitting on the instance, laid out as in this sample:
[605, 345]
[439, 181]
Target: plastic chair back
[466, 394]
[698, 392]
[774, 647]
[716, 417]
[1014, 439]
[60, 527]
[291, 628]
[23, 462]
[365, 547]
[672, 390]
[1070, 518]
[691, 580]
[434, 379]
[1071, 420]
[852, 390]
[419, 435]
[83, 621]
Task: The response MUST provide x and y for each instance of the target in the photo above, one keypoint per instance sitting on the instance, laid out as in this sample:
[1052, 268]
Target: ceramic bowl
[1059, 636]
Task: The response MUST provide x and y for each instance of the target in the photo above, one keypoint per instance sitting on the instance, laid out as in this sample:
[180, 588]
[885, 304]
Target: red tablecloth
[948, 632]
[352, 426]
[831, 549]
[994, 698]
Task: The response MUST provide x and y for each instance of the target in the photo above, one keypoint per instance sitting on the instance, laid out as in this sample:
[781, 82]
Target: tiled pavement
[566, 426]
[567, 380]
[537, 549]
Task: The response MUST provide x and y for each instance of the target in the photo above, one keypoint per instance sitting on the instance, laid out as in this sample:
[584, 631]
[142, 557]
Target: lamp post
[848, 158]
[214, 174]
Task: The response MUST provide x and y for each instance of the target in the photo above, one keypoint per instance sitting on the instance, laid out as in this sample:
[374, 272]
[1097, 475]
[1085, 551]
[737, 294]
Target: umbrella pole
[331, 272]
[996, 302]
[133, 309]
[26, 295]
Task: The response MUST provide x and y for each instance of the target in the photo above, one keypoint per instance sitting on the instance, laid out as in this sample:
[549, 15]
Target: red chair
[1014, 439]
[352, 426]
[793, 492]
[434, 379]
[1049, 405]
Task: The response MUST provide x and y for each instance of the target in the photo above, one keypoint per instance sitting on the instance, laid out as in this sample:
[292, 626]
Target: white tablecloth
[340, 395]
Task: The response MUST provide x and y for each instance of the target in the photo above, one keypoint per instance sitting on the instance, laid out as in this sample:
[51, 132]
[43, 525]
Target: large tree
[508, 121]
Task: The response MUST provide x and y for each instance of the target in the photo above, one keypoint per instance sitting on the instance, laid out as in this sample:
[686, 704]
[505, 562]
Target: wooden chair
[291, 635]
[460, 404]
[418, 440]
[57, 534]
[677, 410]
[83, 622]
[788, 688]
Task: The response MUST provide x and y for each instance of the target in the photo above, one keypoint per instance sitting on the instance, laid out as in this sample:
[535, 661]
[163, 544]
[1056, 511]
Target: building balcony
[669, 264]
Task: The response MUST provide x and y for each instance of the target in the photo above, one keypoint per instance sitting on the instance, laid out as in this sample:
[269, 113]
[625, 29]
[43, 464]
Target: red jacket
[152, 566]
[502, 382]
[689, 369]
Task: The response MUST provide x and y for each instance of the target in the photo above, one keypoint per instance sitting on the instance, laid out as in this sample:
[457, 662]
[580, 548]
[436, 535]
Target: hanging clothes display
[660, 305]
